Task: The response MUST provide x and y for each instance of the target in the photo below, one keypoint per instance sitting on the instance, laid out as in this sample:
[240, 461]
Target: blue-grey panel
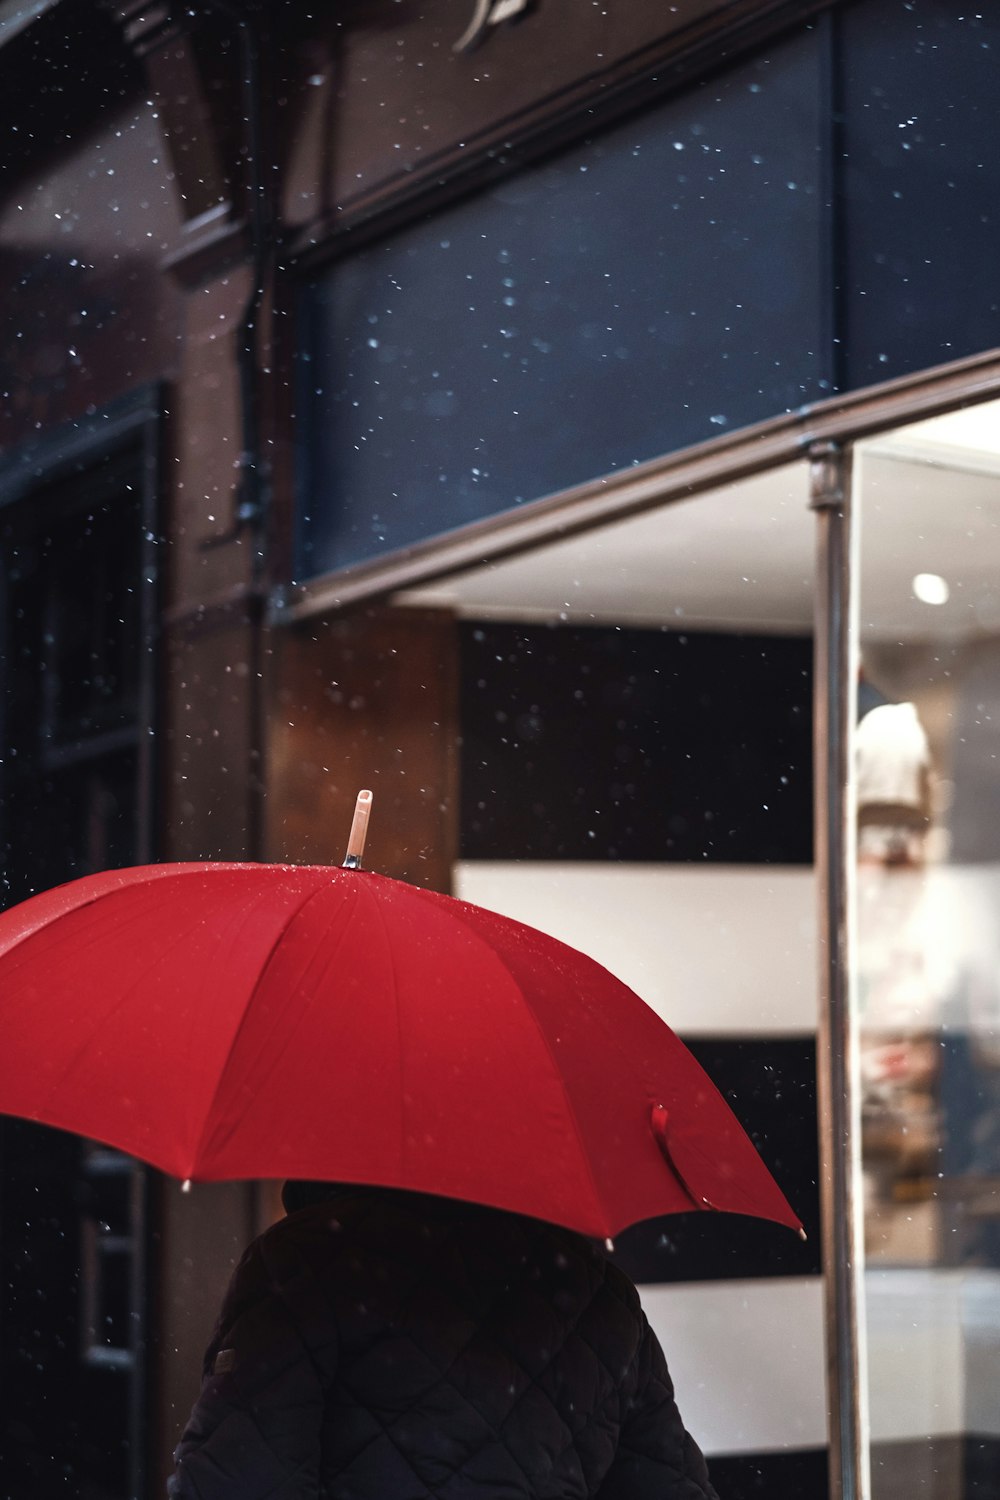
[651, 288]
[921, 184]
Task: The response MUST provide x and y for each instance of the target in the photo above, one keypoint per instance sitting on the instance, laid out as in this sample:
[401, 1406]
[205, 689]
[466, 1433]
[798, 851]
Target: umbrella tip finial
[802, 1233]
[359, 831]
[186, 1185]
[609, 1246]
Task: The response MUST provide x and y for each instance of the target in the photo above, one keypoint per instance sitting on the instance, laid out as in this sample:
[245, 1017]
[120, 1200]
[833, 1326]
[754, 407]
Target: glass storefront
[928, 949]
[634, 751]
[635, 761]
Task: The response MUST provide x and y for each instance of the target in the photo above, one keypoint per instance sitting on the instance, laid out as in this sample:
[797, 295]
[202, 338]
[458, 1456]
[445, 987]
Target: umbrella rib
[584, 1155]
[105, 885]
[399, 1022]
[88, 1041]
[571, 1110]
[598, 1017]
[234, 1039]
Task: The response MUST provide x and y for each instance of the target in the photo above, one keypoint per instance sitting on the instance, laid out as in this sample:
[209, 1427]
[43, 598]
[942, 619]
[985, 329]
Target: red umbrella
[249, 1020]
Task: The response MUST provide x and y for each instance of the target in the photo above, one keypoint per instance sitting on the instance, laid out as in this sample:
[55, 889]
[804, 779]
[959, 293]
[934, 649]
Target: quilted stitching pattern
[391, 1347]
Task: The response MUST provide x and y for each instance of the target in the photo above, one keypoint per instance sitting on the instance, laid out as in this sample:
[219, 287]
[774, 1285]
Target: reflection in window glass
[928, 980]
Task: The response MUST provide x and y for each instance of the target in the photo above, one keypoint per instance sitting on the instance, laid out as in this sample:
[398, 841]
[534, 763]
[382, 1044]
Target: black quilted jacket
[390, 1347]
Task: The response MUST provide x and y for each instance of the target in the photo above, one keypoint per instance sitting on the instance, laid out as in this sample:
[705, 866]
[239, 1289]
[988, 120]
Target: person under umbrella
[225, 1021]
[377, 1344]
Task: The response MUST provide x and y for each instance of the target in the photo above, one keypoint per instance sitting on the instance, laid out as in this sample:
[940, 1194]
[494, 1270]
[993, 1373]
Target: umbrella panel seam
[540, 1030]
[237, 1034]
[95, 1036]
[397, 1009]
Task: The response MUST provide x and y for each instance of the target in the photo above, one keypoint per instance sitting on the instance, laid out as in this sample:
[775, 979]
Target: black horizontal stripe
[801, 1475]
[644, 745]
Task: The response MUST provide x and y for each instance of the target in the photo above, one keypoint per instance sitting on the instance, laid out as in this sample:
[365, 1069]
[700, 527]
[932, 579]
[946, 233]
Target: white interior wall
[747, 1357]
[933, 1351]
[724, 950]
[747, 1361]
[980, 1304]
[715, 949]
[731, 950]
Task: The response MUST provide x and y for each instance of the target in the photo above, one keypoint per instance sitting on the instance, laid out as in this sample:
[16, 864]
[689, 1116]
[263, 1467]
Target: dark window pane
[72, 644]
[920, 186]
[71, 821]
[649, 289]
[71, 630]
[91, 619]
[64, 1424]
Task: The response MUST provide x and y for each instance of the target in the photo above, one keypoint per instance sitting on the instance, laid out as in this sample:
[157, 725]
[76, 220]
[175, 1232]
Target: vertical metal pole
[837, 1072]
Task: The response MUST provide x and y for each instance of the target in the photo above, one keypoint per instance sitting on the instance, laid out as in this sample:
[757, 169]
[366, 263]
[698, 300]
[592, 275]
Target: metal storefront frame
[662, 481]
[835, 676]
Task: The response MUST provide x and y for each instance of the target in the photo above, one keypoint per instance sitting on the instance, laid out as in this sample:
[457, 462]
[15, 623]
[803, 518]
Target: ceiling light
[931, 588]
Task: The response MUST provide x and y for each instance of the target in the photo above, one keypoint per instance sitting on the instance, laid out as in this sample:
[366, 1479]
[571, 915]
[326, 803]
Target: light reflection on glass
[928, 950]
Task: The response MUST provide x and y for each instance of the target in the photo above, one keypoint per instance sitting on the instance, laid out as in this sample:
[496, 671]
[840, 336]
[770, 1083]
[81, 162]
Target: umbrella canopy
[244, 1020]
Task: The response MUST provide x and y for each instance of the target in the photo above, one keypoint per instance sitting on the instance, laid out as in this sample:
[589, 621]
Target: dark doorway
[76, 617]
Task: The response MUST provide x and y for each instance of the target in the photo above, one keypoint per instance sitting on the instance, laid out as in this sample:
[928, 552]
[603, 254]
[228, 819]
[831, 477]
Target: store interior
[724, 947]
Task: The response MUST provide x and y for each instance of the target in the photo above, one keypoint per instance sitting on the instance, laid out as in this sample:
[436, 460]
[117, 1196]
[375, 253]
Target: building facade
[576, 424]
